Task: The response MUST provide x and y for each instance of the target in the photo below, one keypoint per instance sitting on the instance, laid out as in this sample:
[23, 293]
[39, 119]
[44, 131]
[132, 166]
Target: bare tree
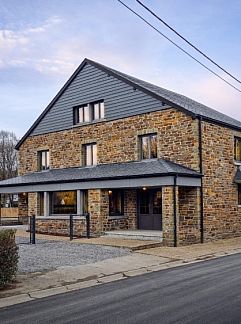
[8, 156]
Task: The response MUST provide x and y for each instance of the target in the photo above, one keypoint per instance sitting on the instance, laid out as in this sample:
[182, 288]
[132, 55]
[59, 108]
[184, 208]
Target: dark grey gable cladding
[92, 84]
[159, 167]
[124, 96]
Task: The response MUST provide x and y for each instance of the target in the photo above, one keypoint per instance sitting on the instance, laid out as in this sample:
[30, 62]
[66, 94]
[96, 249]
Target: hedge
[8, 257]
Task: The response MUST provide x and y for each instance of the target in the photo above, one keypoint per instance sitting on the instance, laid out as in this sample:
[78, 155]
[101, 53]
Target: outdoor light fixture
[110, 192]
[144, 188]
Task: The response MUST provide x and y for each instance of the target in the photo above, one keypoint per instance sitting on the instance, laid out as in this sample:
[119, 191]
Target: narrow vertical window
[237, 149]
[148, 146]
[90, 154]
[98, 110]
[43, 160]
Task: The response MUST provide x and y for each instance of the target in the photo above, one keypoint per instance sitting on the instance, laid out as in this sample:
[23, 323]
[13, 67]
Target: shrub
[8, 257]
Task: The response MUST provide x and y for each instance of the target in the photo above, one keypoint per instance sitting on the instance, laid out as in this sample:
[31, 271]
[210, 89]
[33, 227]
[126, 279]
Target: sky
[42, 42]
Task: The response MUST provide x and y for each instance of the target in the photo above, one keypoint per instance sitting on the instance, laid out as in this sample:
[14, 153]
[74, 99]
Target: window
[116, 202]
[90, 154]
[148, 146]
[98, 110]
[43, 160]
[89, 112]
[239, 194]
[63, 202]
[237, 149]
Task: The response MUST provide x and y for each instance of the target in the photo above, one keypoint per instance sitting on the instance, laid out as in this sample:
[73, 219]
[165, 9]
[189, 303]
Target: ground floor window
[239, 194]
[116, 202]
[63, 202]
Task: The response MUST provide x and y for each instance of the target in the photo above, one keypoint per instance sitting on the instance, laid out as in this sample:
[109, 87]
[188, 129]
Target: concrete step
[142, 235]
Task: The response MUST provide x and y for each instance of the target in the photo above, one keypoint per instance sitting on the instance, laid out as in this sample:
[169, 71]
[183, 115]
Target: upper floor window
[43, 160]
[237, 149]
[148, 145]
[89, 112]
[90, 154]
[98, 110]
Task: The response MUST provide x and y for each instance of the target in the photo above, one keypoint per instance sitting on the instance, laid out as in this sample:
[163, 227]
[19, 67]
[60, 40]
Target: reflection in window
[63, 202]
[116, 202]
[149, 146]
[239, 194]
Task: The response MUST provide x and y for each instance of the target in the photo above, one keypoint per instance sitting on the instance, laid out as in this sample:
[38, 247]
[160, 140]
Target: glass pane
[153, 140]
[94, 152]
[88, 154]
[116, 203]
[102, 110]
[85, 207]
[81, 115]
[157, 202]
[86, 114]
[144, 148]
[63, 202]
[41, 204]
[238, 149]
[96, 111]
[144, 202]
[47, 159]
[42, 160]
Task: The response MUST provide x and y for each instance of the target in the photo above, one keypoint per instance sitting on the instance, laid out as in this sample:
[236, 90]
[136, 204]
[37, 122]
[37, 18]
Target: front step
[143, 235]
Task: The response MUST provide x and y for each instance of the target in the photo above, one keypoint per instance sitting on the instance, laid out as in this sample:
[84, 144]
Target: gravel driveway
[48, 255]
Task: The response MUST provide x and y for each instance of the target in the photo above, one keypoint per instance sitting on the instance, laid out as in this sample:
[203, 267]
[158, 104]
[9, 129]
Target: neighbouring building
[134, 156]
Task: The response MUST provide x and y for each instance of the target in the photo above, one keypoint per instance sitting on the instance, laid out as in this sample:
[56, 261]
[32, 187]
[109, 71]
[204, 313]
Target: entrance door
[150, 209]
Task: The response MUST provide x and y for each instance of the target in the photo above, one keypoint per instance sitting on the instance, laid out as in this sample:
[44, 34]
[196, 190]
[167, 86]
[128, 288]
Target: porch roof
[101, 172]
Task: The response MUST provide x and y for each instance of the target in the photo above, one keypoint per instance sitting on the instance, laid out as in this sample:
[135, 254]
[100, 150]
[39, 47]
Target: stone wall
[222, 216]
[189, 215]
[117, 141]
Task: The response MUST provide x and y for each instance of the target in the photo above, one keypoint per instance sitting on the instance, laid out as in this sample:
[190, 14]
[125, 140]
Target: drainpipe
[175, 210]
[201, 171]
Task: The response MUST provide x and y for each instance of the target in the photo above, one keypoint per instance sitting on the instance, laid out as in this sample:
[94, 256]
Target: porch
[155, 196]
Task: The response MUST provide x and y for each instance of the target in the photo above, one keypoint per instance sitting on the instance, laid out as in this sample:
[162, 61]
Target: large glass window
[63, 202]
[90, 154]
[116, 202]
[237, 149]
[148, 146]
[43, 160]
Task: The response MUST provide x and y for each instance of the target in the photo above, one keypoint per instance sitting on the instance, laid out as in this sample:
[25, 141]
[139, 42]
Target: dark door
[150, 209]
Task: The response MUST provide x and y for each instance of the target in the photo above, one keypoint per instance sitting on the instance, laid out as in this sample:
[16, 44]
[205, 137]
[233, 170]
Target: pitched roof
[174, 99]
[159, 167]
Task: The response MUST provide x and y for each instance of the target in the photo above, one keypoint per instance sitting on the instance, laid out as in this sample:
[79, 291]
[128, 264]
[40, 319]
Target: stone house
[134, 156]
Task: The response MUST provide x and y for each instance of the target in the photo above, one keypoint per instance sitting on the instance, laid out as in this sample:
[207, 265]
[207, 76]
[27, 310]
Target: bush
[8, 257]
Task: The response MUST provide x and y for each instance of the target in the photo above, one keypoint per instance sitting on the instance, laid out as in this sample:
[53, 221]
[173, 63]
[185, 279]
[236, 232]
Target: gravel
[49, 255]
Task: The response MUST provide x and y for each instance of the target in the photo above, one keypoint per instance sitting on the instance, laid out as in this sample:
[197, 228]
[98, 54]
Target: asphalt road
[207, 292]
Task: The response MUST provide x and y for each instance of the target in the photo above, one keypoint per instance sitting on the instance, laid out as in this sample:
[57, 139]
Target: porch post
[46, 203]
[80, 202]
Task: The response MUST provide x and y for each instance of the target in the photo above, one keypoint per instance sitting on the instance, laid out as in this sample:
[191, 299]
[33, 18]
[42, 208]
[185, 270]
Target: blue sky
[43, 41]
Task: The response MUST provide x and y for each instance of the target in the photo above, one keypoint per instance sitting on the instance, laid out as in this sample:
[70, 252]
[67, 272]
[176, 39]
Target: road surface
[206, 292]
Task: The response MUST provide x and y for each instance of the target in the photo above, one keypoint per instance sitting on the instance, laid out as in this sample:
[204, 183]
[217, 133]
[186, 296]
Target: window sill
[117, 217]
[96, 121]
[59, 217]
[239, 206]
[237, 163]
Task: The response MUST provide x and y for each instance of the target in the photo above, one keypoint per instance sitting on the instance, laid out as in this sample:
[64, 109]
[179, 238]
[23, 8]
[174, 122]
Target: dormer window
[90, 112]
[43, 160]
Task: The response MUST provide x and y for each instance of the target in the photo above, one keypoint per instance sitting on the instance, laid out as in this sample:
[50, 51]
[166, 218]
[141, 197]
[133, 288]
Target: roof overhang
[158, 181]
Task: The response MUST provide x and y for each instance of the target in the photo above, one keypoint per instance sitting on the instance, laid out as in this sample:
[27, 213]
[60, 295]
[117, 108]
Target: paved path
[205, 292]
